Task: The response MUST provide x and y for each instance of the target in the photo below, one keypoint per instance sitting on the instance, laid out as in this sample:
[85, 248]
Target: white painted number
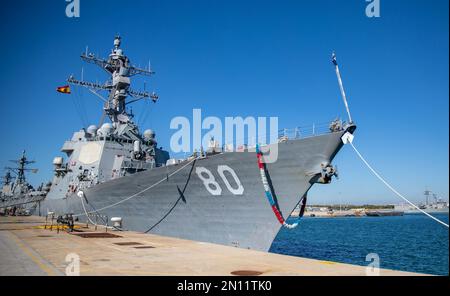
[213, 187]
[209, 180]
[224, 168]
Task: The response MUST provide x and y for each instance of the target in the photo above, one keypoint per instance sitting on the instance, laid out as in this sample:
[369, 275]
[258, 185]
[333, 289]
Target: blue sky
[245, 58]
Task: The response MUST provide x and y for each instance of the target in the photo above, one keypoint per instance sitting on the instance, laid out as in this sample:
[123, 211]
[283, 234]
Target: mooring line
[392, 188]
[181, 197]
[85, 212]
[140, 192]
[83, 197]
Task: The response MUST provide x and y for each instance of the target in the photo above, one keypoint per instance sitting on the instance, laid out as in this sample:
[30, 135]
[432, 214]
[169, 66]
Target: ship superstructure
[116, 148]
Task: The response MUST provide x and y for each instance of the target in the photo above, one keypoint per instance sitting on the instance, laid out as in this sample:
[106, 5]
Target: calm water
[410, 243]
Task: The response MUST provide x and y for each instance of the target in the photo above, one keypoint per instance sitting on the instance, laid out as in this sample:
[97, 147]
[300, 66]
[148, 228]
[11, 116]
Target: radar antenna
[120, 68]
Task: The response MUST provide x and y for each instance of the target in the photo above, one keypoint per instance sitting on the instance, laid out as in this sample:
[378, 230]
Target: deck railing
[302, 132]
[285, 134]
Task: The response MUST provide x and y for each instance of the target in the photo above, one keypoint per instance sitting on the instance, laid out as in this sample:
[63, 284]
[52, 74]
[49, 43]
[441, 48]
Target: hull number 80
[213, 186]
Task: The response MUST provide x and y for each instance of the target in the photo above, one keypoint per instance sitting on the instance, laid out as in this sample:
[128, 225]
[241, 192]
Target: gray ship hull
[243, 220]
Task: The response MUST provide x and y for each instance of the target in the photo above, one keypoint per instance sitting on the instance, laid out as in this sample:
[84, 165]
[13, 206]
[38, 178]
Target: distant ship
[227, 197]
[382, 213]
[16, 193]
[432, 204]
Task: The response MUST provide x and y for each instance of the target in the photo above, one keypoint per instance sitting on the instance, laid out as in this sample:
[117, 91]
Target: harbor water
[412, 243]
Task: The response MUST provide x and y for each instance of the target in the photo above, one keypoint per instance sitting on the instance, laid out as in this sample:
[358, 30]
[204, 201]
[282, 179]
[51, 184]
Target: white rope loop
[85, 212]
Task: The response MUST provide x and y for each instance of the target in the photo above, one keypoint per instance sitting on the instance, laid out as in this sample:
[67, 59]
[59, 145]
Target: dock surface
[26, 248]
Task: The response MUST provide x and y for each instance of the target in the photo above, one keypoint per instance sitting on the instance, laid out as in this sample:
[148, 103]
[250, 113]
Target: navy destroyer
[233, 198]
[17, 194]
[432, 204]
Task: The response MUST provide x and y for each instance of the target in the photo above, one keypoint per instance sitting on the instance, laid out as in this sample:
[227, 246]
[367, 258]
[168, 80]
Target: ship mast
[21, 168]
[120, 68]
[427, 194]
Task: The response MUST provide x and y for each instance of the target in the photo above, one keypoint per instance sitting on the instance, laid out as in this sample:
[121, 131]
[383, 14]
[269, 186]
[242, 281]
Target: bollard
[117, 222]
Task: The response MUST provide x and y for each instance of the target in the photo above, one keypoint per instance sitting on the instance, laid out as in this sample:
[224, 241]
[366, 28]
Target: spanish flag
[63, 89]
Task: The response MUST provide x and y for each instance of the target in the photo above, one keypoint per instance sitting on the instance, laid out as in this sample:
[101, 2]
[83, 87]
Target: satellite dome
[92, 129]
[106, 126]
[58, 161]
[105, 130]
[149, 134]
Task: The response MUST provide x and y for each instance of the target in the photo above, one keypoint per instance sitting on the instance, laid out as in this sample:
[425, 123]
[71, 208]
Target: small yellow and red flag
[64, 89]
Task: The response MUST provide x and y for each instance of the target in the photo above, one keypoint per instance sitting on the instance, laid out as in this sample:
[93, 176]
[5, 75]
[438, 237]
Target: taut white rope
[140, 192]
[392, 188]
[86, 213]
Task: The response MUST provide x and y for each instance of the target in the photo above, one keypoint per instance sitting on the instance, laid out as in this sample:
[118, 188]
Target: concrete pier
[26, 248]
